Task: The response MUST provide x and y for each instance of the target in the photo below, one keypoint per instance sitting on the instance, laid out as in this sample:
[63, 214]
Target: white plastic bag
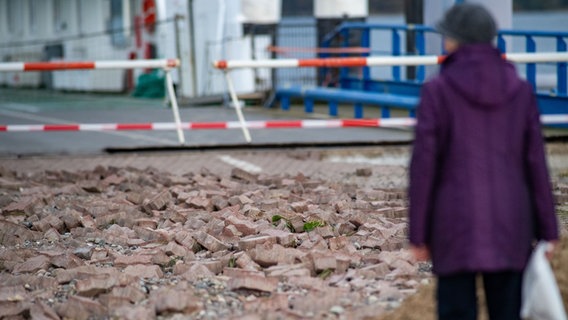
[541, 297]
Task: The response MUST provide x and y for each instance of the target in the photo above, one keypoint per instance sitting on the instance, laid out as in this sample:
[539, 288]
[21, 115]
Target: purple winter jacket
[479, 186]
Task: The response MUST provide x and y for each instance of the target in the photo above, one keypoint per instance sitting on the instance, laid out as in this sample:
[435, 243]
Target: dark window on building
[294, 8]
[116, 23]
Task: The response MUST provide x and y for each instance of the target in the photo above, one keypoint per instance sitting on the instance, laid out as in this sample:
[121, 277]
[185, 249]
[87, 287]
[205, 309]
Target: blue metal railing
[397, 91]
[420, 33]
[395, 48]
[531, 46]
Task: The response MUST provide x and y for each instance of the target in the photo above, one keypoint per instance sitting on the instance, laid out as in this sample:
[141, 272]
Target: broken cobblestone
[146, 244]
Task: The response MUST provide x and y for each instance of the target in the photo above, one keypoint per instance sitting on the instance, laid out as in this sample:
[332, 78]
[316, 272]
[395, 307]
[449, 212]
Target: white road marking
[395, 160]
[43, 120]
[20, 107]
[246, 166]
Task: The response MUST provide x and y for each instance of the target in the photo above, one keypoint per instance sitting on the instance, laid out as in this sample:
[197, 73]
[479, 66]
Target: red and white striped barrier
[86, 65]
[378, 61]
[165, 64]
[273, 124]
[227, 65]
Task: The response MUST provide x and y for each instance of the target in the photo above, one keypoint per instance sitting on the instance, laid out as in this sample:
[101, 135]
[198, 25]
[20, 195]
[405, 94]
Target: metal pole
[193, 65]
[177, 18]
[237, 105]
[175, 110]
[414, 14]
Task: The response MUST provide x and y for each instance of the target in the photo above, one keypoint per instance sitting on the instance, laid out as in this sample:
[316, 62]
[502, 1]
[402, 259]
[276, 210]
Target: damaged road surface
[121, 242]
[143, 244]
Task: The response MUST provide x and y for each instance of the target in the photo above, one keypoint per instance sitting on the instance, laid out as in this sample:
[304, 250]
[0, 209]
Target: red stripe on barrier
[360, 123]
[172, 63]
[222, 64]
[333, 62]
[3, 128]
[208, 125]
[61, 127]
[134, 126]
[46, 66]
[284, 124]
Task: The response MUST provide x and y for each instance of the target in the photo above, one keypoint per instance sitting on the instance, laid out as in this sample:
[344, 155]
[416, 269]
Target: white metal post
[237, 105]
[175, 109]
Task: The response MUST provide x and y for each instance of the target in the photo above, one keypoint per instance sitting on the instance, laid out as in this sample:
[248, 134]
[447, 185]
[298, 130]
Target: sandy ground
[421, 306]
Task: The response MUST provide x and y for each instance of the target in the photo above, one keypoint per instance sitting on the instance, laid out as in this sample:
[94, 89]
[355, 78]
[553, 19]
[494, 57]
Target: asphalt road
[25, 106]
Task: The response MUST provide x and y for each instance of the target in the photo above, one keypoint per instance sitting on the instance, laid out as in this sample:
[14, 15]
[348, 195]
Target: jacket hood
[480, 74]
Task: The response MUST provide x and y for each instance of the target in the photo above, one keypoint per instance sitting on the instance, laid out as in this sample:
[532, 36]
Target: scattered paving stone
[244, 175]
[134, 313]
[132, 260]
[22, 206]
[33, 264]
[84, 252]
[364, 172]
[245, 227]
[267, 305]
[81, 308]
[210, 242]
[13, 234]
[286, 271]
[13, 309]
[41, 310]
[134, 244]
[251, 242]
[168, 301]
[245, 262]
[197, 272]
[253, 282]
[13, 294]
[93, 286]
[158, 202]
[144, 271]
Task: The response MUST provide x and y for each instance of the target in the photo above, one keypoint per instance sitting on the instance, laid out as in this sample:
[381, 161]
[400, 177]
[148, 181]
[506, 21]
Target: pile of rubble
[143, 244]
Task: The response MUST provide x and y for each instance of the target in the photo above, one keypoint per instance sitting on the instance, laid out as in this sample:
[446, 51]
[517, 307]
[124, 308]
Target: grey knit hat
[468, 23]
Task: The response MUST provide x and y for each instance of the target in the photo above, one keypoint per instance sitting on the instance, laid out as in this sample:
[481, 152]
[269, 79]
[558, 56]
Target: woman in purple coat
[479, 186]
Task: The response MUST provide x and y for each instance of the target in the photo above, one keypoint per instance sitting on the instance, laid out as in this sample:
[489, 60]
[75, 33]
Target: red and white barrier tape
[273, 124]
[378, 61]
[392, 122]
[87, 65]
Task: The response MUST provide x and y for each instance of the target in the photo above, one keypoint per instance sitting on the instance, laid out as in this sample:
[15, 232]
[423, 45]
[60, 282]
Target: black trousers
[457, 298]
